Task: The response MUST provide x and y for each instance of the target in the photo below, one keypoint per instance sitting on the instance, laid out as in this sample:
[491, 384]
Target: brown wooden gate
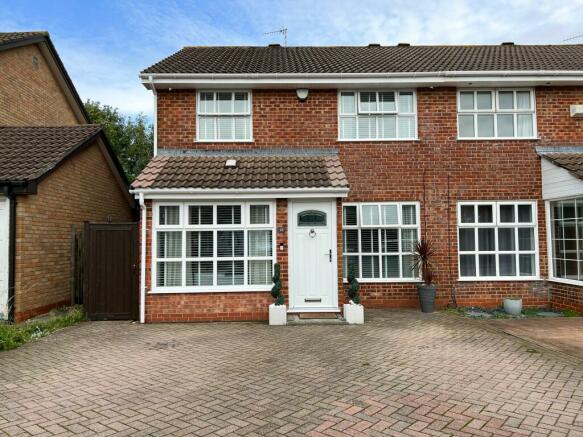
[110, 289]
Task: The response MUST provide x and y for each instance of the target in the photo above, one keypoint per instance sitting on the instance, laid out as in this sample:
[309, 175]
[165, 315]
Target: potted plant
[353, 310]
[423, 262]
[513, 305]
[277, 310]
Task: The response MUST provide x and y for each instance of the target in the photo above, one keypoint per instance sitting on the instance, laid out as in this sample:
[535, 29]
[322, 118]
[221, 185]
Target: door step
[317, 315]
[327, 319]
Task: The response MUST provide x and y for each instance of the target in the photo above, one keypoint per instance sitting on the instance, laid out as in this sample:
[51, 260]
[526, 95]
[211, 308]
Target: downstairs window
[379, 240]
[206, 247]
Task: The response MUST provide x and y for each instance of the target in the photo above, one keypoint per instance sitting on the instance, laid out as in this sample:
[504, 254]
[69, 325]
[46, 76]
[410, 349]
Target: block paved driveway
[403, 373]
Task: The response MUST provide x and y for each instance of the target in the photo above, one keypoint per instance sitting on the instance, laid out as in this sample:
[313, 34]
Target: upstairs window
[377, 115]
[223, 116]
[501, 114]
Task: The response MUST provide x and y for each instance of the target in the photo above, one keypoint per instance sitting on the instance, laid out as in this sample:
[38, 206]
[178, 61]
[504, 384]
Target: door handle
[330, 255]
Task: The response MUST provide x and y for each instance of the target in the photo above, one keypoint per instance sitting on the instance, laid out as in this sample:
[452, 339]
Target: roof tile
[383, 59]
[26, 153]
[261, 171]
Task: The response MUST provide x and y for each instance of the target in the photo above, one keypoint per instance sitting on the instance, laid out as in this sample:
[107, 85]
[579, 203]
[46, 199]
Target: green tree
[132, 138]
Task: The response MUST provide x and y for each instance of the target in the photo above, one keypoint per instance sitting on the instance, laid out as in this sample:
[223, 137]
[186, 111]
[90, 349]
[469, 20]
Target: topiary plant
[276, 289]
[353, 285]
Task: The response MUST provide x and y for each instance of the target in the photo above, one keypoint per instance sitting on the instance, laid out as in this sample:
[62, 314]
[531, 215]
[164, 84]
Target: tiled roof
[10, 37]
[26, 153]
[251, 171]
[370, 59]
[573, 162]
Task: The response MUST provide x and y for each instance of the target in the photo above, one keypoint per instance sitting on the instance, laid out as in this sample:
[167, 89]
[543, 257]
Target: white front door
[4, 252]
[312, 256]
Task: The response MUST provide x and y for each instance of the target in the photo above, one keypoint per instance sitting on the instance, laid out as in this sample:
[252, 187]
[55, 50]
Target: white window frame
[494, 111]
[379, 228]
[551, 246]
[496, 224]
[184, 227]
[368, 113]
[200, 114]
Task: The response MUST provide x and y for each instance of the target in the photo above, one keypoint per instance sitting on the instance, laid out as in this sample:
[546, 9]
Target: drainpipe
[155, 115]
[143, 261]
[12, 258]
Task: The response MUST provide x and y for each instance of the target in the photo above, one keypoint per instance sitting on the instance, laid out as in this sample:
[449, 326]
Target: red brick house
[318, 158]
[56, 171]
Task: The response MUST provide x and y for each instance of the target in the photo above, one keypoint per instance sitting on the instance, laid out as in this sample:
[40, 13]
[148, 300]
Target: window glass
[350, 217]
[483, 100]
[506, 100]
[496, 114]
[259, 214]
[383, 249]
[201, 253]
[223, 116]
[312, 218]
[566, 240]
[169, 215]
[501, 243]
[466, 101]
[378, 115]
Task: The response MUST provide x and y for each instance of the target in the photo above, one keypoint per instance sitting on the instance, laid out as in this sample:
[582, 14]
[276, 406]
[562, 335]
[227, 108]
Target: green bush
[15, 335]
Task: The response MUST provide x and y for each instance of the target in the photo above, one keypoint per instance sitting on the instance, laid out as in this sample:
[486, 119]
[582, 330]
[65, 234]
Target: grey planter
[427, 297]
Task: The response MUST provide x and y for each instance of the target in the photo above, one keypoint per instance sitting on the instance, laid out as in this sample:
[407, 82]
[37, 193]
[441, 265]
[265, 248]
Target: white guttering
[439, 77]
[143, 261]
[153, 88]
[245, 193]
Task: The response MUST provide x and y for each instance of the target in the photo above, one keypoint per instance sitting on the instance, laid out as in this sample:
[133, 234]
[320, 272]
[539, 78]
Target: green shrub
[15, 335]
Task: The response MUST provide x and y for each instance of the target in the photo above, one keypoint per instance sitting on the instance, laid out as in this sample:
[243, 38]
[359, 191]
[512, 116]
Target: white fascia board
[348, 80]
[218, 193]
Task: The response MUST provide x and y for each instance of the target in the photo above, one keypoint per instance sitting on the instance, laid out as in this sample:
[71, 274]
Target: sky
[105, 43]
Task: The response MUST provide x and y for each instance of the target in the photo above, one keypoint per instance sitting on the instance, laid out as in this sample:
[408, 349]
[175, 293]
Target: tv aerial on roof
[282, 31]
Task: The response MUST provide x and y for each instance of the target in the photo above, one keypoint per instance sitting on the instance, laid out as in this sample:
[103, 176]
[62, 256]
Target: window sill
[501, 279]
[376, 140]
[500, 139]
[566, 281]
[386, 281]
[222, 141]
[207, 290]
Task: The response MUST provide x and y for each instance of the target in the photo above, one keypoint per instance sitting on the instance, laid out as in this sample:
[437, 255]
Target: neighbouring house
[56, 172]
[321, 158]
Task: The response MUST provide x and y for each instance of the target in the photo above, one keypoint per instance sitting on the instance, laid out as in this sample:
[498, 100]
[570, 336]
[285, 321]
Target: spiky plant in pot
[423, 263]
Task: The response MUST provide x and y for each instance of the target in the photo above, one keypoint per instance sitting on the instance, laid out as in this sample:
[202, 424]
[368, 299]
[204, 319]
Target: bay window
[206, 247]
[496, 114]
[379, 240]
[497, 240]
[567, 239]
[223, 116]
[377, 115]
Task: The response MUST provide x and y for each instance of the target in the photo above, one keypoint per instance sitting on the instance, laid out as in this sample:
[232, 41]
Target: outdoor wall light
[302, 93]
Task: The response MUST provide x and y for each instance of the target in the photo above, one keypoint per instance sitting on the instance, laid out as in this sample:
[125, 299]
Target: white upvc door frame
[332, 226]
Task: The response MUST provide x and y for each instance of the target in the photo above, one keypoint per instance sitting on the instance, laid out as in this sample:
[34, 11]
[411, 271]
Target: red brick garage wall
[437, 170]
[82, 189]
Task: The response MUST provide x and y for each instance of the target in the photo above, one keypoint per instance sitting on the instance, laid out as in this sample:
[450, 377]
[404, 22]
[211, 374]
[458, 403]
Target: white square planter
[354, 314]
[277, 315]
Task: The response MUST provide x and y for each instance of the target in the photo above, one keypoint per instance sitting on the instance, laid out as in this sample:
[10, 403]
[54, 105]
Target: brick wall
[82, 189]
[30, 95]
[438, 170]
[566, 297]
